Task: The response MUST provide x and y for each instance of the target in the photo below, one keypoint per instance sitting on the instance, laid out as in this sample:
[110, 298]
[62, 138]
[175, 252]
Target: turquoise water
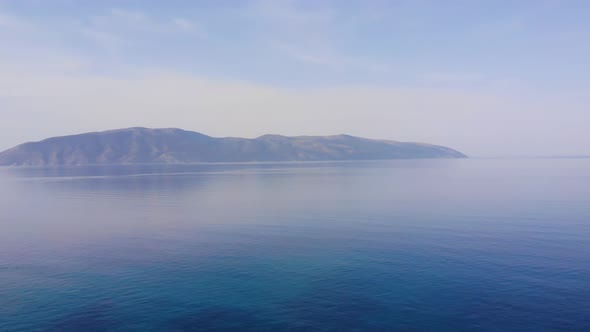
[409, 245]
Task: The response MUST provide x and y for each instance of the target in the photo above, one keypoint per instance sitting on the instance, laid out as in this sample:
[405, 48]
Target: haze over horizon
[488, 78]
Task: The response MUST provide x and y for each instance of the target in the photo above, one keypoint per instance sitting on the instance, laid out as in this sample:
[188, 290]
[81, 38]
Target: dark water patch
[223, 319]
[343, 299]
[98, 317]
[517, 311]
[339, 310]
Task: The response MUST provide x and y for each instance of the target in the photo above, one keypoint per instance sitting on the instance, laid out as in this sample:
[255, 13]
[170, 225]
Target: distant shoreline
[176, 146]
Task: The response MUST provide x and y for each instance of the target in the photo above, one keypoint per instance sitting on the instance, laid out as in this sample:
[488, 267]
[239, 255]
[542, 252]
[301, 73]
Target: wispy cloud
[10, 22]
[309, 35]
[107, 40]
[129, 16]
[289, 14]
[190, 27]
[121, 19]
[517, 21]
[183, 23]
[308, 56]
[122, 27]
[450, 77]
[334, 60]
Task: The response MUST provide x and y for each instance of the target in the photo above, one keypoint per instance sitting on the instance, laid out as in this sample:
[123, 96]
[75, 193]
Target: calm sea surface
[412, 245]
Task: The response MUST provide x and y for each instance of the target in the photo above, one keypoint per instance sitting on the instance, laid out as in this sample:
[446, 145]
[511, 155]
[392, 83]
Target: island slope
[171, 145]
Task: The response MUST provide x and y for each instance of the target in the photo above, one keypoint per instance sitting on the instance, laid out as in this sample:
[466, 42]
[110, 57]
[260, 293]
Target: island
[172, 145]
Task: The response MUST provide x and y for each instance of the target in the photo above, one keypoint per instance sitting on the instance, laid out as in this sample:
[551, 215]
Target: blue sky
[486, 77]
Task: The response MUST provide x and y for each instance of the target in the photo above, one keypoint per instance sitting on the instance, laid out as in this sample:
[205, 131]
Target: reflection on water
[408, 245]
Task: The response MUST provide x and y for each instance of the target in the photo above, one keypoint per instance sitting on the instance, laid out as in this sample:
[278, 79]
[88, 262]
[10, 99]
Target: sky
[489, 78]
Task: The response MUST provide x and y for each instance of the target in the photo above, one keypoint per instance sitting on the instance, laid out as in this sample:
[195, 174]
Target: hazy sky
[489, 78]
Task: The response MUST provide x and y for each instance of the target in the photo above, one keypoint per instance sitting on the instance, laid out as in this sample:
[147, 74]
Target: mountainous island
[171, 145]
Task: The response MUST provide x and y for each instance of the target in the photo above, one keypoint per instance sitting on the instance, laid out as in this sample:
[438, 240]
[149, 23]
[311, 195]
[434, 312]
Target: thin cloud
[103, 38]
[189, 26]
[120, 27]
[9, 22]
[334, 60]
[129, 16]
[183, 24]
[308, 35]
[130, 20]
[13, 23]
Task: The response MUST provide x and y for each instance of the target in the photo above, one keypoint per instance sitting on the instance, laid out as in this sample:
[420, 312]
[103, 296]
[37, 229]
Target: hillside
[143, 145]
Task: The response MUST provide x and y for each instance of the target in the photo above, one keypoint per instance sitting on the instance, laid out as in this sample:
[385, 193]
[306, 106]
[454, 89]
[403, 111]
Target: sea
[405, 245]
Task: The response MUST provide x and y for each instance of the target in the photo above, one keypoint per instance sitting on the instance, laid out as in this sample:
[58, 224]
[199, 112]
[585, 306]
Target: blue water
[410, 245]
